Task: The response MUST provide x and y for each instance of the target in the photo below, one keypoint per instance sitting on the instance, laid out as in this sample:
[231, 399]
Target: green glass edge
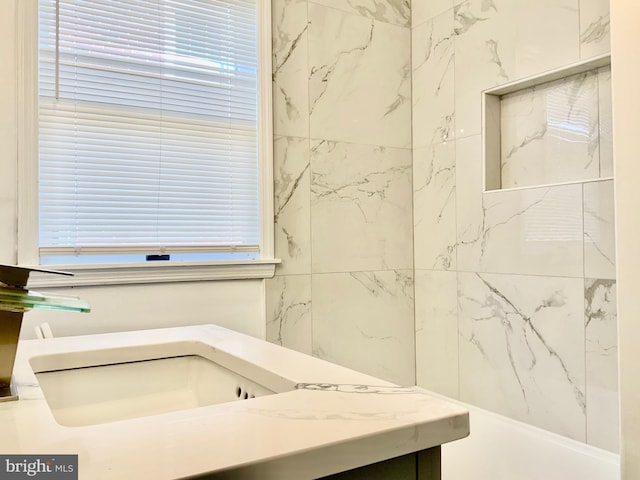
[13, 300]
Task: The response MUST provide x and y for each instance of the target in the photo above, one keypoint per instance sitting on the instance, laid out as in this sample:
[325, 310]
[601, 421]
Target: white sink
[103, 386]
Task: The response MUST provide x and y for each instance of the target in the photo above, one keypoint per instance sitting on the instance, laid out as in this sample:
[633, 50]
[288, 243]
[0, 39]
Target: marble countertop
[333, 419]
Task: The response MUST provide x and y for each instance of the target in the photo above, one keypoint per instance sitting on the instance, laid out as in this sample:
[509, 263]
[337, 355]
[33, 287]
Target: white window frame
[154, 272]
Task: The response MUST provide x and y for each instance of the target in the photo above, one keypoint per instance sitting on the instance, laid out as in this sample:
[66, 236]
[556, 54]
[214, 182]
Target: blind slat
[152, 139]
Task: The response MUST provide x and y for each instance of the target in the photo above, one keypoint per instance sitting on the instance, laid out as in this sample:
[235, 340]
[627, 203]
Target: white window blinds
[148, 127]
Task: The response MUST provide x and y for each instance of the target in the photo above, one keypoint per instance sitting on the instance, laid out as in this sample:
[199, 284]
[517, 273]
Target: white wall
[235, 304]
[625, 50]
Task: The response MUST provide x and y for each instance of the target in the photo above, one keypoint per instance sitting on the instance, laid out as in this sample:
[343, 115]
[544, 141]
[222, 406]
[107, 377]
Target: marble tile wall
[515, 290]
[343, 184]
[394, 261]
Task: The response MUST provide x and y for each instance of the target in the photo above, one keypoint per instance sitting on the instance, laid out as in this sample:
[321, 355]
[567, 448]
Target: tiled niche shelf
[549, 129]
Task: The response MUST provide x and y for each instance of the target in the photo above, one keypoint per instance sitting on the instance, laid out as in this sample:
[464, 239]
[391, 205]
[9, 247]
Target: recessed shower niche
[550, 129]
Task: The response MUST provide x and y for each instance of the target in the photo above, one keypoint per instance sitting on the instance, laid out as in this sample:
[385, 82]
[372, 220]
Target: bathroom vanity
[207, 402]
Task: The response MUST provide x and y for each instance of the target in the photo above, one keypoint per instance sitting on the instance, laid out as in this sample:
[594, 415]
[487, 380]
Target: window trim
[27, 233]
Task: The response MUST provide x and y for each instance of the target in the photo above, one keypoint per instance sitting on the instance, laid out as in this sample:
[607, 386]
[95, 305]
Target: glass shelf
[14, 300]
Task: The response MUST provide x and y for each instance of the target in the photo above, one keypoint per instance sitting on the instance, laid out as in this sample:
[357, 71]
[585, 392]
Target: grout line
[584, 315]
[356, 14]
[453, 270]
[413, 202]
[310, 172]
[579, 29]
[457, 246]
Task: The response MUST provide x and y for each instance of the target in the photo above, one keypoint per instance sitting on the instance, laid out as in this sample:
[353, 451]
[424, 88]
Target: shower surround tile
[364, 321]
[522, 349]
[423, 10]
[397, 12]
[289, 311]
[549, 133]
[290, 68]
[434, 206]
[599, 230]
[594, 28]
[602, 364]
[433, 81]
[546, 35]
[502, 40]
[359, 79]
[437, 331]
[361, 214]
[292, 193]
[484, 56]
[535, 231]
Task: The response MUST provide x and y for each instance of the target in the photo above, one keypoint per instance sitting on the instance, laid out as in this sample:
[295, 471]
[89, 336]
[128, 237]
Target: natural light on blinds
[148, 126]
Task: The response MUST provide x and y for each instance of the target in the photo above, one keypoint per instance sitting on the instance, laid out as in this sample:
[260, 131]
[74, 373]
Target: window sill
[92, 275]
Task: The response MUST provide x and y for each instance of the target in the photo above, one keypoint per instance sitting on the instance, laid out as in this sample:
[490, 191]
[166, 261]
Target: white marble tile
[436, 301]
[547, 33]
[361, 213]
[594, 28]
[534, 231]
[484, 56]
[433, 81]
[601, 337]
[503, 40]
[397, 12]
[605, 123]
[423, 10]
[289, 311]
[292, 197]
[364, 321]
[290, 68]
[599, 230]
[522, 349]
[434, 206]
[359, 79]
[549, 133]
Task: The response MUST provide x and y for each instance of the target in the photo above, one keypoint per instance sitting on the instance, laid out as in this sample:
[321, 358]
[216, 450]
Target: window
[151, 132]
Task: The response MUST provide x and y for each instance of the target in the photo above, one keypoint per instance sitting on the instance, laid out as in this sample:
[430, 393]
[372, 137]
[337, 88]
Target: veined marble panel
[292, 197]
[434, 206]
[602, 364]
[437, 331]
[549, 133]
[289, 311]
[522, 349]
[503, 40]
[534, 231]
[359, 79]
[594, 28]
[423, 10]
[547, 33]
[605, 123]
[290, 69]
[361, 215]
[599, 230]
[433, 81]
[364, 321]
[397, 12]
[484, 56]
